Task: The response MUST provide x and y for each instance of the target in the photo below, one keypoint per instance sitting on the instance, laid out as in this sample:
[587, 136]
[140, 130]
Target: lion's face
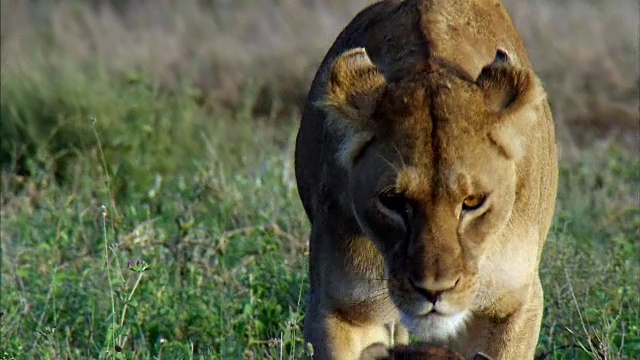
[431, 162]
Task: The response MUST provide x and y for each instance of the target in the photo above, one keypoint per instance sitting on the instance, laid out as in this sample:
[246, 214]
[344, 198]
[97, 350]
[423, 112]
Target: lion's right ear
[353, 90]
[513, 93]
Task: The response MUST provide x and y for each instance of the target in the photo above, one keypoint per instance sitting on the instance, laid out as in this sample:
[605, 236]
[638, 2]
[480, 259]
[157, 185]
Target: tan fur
[419, 105]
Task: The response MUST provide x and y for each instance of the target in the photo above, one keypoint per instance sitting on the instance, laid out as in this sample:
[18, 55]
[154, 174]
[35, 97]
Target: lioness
[426, 163]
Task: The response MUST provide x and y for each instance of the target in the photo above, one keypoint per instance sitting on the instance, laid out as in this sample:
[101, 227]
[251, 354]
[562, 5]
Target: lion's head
[431, 159]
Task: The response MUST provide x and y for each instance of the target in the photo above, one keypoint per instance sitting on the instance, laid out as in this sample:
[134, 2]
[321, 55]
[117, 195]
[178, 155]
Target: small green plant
[117, 333]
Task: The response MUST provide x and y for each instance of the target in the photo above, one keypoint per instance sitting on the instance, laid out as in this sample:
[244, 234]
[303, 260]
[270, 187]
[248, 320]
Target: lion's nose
[432, 290]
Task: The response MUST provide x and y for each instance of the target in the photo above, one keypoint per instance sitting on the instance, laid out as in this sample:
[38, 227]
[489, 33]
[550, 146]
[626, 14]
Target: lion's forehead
[445, 131]
[432, 99]
[451, 180]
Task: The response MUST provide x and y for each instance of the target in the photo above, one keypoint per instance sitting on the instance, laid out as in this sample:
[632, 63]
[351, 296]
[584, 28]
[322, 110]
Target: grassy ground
[148, 201]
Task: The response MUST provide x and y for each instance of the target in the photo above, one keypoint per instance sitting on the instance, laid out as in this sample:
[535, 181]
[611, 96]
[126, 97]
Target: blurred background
[161, 132]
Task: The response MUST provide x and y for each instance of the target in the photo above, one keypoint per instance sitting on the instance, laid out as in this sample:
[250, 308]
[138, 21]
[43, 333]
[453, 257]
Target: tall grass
[224, 247]
[586, 52]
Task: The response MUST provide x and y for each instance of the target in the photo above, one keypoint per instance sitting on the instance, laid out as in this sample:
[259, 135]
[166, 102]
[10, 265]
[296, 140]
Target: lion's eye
[473, 202]
[395, 202]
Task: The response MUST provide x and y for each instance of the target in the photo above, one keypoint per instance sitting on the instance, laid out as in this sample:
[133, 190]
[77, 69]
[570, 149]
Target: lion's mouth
[418, 307]
[434, 325]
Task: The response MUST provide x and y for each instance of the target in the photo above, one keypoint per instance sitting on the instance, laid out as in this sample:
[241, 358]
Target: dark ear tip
[481, 356]
[502, 56]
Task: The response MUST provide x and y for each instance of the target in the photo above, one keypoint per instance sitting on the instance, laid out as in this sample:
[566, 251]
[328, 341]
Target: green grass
[590, 268]
[213, 212]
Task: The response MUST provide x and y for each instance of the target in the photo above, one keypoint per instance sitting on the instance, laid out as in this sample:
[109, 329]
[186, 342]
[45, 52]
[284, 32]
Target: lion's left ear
[513, 94]
[353, 90]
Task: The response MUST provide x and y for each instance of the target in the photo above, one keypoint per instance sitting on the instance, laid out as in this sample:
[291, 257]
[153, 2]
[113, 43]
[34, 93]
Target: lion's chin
[435, 327]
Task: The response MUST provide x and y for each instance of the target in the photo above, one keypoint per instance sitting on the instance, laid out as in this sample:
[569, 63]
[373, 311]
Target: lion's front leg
[512, 337]
[334, 337]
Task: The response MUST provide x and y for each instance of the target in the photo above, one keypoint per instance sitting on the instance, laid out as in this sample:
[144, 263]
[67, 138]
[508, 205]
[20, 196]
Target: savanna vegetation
[149, 207]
